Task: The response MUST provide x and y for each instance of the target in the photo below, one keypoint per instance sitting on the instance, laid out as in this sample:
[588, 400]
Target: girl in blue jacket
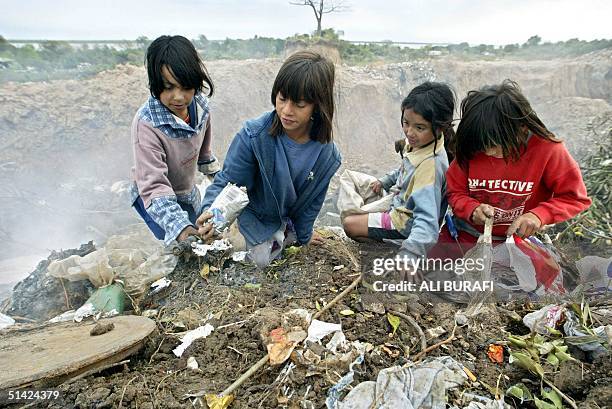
[285, 158]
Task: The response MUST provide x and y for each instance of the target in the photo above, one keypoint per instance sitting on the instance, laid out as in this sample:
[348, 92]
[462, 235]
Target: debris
[239, 256]
[150, 313]
[218, 401]
[101, 328]
[5, 321]
[320, 329]
[337, 268]
[205, 270]
[545, 319]
[595, 273]
[227, 206]
[63, 317]
[460, 319]
[416, 385]
[347, 312]
[106, 302]
[334, 392]
[192, 364]
[159, 285]
[201, 249]
[338, 340]
[190, 336]
[435, 332]
[495, 353]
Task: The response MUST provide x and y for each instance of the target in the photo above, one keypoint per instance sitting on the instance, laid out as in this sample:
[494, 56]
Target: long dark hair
[307, 76]
[183, 62]
[497, 115]
[435, 102]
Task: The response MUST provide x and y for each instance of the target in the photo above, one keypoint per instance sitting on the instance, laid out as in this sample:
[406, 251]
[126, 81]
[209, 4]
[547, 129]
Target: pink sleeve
[151, 169]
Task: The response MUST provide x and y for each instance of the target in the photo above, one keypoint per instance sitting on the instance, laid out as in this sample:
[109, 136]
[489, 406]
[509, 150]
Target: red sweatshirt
[545, 181]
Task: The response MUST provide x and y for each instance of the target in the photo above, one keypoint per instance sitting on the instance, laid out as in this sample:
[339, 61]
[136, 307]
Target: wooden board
[51, 354]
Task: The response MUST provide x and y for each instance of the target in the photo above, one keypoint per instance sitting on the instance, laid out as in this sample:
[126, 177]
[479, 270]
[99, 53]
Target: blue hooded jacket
[250, 162]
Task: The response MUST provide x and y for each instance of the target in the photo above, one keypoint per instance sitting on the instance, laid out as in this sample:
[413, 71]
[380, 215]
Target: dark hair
[435, 102]
[307, 76]
[183, 62]
[497, 115]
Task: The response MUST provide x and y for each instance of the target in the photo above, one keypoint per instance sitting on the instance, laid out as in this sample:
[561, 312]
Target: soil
[244, 304]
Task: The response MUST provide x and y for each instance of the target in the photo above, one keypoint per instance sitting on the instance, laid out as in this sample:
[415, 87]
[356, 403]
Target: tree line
[59, 59]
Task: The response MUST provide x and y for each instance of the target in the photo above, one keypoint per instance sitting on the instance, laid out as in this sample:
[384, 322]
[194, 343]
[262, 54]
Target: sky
[432, 21]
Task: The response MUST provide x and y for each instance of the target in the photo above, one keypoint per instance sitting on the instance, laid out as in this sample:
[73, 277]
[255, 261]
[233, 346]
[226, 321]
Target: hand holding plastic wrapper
[227, 206]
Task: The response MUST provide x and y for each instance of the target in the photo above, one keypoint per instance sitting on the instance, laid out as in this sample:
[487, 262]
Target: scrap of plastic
[420, 385]
[190, 336]
[338, 341]
[239, 256]
[334, 393]
[192, 364]
[159, 285]
[201, 249]
[319, 329]
[65, 316]
[572, 328]
[595, 272]
[5, 321]
[227, 206]
[544, 318]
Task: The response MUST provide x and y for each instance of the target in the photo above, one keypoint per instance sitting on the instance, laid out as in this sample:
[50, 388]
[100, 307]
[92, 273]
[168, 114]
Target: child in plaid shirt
[171, 137]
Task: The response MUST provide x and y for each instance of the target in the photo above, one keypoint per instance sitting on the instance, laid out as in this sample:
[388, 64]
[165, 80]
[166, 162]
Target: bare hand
[187, 231]
[205, 227]
[524, 226]
[482, 213]
[316, 239]
[376, 186]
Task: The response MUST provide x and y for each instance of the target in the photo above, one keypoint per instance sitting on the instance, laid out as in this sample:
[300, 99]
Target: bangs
[297, 83]
[183, 69]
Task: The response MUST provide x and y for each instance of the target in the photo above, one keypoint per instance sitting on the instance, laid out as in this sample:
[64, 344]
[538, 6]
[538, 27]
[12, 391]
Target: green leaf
[394, 321]
[525, 361]
[554, 397]
[520, 391]
[553, 360]
[563, 356]
[553, 331]
[540, 404]
[517, 341]
[292, 250]
[545, 348]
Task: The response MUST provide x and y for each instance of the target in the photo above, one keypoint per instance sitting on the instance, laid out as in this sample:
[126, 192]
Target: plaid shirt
[165, 210]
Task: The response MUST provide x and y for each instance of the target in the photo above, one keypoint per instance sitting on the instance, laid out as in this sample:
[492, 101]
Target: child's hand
[316, 239]
[205, 228]
[482, 213]
[376, 186]
[524, 226]
[187, 231]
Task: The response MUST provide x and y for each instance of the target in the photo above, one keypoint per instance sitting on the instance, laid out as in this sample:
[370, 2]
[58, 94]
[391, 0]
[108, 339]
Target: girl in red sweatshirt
[510, 167]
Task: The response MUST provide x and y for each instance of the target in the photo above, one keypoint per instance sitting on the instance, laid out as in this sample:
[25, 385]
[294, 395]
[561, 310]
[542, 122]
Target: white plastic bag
[356, 196]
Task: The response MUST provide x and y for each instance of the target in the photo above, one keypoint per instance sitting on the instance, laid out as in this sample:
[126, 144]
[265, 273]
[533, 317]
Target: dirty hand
[316, 239]
[205, 227]
[481, 213]
[376, 186]
[525, 225]
[187, 231]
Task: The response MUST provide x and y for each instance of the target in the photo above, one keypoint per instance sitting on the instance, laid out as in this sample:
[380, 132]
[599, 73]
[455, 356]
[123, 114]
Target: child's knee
[351, 226]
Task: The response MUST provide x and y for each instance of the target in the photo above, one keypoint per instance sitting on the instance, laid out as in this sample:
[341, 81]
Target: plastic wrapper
[227, 206]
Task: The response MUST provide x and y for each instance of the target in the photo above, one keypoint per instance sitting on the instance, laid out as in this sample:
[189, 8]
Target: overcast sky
[474, 21]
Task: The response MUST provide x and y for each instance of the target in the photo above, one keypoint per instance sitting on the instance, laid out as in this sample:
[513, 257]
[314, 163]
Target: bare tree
[320, 7]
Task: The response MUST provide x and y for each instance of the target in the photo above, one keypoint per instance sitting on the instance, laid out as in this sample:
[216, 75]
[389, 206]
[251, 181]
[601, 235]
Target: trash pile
[304, 333]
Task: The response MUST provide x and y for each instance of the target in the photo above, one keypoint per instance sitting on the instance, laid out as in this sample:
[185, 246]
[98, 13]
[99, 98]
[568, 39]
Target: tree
[533, 41]
[320, 7]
